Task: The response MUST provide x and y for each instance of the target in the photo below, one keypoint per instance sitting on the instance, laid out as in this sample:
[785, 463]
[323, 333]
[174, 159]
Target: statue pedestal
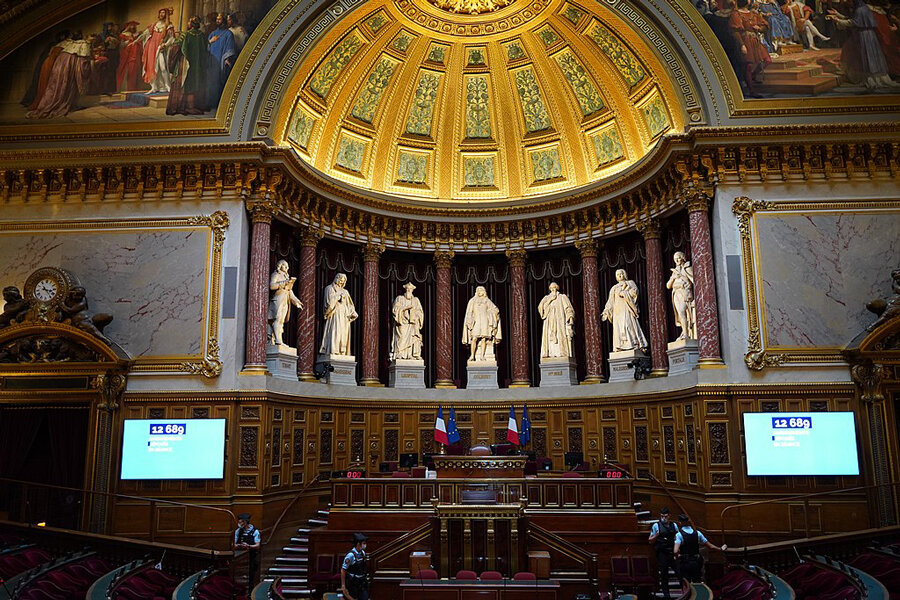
[558, 372]
[281, 361]
[406, 373]
[481, 375]
[683, 356]
[344, 366]
[618, 365]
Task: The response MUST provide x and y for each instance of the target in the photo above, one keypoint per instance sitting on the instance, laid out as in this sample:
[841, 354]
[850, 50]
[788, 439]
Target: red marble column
[518, 339]
[704, 278]
[443, 321]
[306, 322]
[371, 255]
[261, 214]
[593, 347]
[655, 297]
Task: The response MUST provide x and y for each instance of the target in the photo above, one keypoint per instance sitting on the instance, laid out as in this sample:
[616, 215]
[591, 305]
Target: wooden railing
[587, 559]
[268, 532]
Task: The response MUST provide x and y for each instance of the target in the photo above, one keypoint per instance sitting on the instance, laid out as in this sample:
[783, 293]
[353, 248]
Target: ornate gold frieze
[471, 7]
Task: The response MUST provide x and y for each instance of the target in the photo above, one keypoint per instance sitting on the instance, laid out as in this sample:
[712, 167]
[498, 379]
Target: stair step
[296, 549]
[303, 530]
[797, 74]
[300, 540]
[295, 581]
[323, 512]
[318, 522]
[642, 514]
[287, 571]
[296, 593]
[293, 560]
[813, 85]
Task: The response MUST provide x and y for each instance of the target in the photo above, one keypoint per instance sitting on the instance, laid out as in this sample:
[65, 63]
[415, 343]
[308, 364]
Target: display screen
[822, 443]
[173, 449]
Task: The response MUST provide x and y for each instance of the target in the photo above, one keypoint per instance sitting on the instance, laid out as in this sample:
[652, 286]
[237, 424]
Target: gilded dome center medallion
[472, 7]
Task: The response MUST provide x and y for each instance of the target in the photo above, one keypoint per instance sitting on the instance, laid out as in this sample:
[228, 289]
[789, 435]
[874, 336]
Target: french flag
[440, 428]
[512, 429]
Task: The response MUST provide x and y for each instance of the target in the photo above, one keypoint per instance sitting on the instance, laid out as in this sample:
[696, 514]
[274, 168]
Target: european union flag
[525, 433]
[452, 431]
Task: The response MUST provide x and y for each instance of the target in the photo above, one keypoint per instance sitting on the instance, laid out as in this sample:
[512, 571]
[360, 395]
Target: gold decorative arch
[536, 97]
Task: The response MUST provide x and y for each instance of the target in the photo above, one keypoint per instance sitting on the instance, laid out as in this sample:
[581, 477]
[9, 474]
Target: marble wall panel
[152, 281]
[816, 272]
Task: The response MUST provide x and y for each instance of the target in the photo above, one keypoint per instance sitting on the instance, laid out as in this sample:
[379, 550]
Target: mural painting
[129, 61]
[790, 48]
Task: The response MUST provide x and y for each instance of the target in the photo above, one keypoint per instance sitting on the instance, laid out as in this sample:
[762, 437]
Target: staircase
[292, 565]
[804, 74]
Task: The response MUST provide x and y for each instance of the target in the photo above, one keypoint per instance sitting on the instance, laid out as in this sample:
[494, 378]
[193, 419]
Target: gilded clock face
[49, 285]
[46, 290]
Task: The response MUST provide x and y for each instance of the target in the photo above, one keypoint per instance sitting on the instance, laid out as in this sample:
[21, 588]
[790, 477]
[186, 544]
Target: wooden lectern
[479, 467]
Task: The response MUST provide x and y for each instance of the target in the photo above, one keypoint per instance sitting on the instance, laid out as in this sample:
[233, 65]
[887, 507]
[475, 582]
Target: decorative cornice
[744, 207]
[697, 201]
[218, 222]
[443, 259]
[261, 211]
[649, 228]
[517, 258]
[587, 248]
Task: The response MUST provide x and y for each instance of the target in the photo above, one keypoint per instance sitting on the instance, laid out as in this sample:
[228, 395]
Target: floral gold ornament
[471, 7]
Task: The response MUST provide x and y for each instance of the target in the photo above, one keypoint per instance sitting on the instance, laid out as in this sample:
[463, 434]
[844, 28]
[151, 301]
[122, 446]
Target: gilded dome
[468, 101]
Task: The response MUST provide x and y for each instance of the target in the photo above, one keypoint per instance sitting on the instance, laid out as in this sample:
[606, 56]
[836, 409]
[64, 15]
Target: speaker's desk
[453, 589]
[479, 467]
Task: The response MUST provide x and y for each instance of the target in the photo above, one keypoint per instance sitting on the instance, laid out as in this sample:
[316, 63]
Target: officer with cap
[687, 549]
[246, 537]
[662, 536]
[354, 580]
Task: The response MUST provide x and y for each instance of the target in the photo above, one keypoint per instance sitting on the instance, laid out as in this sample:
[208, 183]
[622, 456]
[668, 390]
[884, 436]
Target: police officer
[354, 575]
[687, 549]
[246, 537]
[662, 536]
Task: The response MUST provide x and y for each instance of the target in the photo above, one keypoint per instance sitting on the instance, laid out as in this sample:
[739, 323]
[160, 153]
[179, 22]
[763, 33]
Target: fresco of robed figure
[143, 60]
[805, 48]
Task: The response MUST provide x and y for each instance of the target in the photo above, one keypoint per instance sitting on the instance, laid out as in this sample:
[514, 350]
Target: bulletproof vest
[691, 544]
[358, 569]
[666, 538]
[245, 536]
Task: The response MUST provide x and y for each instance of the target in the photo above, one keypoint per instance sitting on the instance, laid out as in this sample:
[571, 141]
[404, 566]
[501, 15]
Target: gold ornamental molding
[759, 354]
[479, 463]
[472, 7]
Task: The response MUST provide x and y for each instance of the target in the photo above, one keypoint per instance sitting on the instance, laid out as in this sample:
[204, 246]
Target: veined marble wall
[154, 282]
[817, 271]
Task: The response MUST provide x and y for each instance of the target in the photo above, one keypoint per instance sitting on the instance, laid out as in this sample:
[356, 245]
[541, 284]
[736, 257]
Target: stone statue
[339, 313]
[559, 316]
[885, 309]
[622, 311]
[408, 318]
[15, 306]
[681, 283]
[75, 308]
[281, 285]
[481, 329]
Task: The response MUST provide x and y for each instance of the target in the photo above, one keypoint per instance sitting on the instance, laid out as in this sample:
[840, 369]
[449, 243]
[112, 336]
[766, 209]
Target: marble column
[370, 315]
[306, 321]
[704, 278]
[444, 321]
[261, 214]
[593, 348]
[518, 340]
[655, 296]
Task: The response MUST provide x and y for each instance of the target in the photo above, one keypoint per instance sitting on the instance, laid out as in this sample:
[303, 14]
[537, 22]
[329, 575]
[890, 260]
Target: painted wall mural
[791, 48]
[129, 61]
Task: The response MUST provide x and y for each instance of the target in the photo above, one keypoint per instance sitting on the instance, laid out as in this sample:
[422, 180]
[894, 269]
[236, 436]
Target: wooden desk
[452, 589]
[489, 467]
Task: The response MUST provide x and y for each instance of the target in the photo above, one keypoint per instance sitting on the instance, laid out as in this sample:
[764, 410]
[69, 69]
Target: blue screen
[822, 443]
[173, 449]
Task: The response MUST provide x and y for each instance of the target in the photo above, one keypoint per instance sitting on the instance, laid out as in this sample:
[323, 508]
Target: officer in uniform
[354, 575]
[662, 536]
[687, 549]
[246, 537]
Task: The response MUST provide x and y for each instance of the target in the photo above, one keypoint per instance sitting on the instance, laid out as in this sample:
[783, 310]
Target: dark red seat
[524, 576]
[491, 576]
[427, 574]
[466, 575]
[400, 474]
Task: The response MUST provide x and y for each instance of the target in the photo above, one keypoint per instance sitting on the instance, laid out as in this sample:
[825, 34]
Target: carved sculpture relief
[481, 329]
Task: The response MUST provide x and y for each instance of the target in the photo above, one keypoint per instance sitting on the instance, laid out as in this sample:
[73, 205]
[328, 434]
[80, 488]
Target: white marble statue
[622, 311]
[559, 317]
[681, 283]
[408, 318]
[481, 329]
[282, 296]
[339, 313]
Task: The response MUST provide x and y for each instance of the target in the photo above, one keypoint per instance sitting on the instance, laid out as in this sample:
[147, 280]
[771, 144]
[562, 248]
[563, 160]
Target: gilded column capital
[261, 211]
[649, 228]
[444, 258]
[588, 248]
[310, 237]
[869, 377]
[371, 252]
[697, 201]
[517, 258]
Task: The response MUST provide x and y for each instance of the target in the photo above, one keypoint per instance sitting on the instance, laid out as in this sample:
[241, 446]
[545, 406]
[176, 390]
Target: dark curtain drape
[18, 431]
